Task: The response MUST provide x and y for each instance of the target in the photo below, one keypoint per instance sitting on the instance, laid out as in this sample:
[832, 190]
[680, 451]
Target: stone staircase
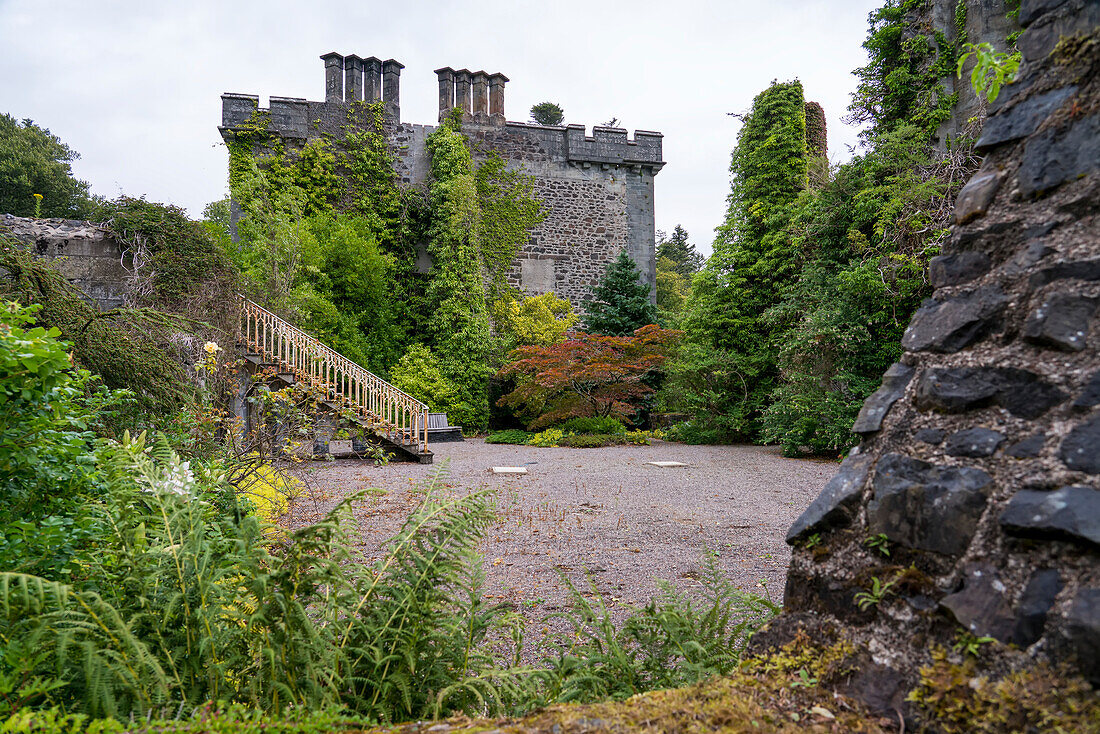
[348, 390]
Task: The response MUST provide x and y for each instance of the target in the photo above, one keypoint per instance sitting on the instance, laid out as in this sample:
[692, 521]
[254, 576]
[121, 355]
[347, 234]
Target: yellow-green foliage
[268, 491]
[549, 437]
[672, 287]
[1039, 698]
[536, 320]
[418, 373]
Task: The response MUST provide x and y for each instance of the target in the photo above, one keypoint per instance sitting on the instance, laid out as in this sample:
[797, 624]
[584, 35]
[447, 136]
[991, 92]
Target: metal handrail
[386, 409]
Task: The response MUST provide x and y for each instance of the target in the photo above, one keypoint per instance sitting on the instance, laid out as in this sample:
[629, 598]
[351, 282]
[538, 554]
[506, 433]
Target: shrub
[605, 424]
[419, 374]
[267, 491]
[549, 437]
[587, 441]
[511, 435]
[588, 375]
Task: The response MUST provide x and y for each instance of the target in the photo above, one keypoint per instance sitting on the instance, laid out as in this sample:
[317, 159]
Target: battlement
[611, 145]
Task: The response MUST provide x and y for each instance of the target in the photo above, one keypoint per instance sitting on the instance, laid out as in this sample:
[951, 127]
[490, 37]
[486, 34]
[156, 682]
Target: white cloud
[134, 86]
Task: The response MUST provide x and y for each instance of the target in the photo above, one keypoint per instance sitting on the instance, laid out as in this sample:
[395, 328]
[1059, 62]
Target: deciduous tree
[590, 375]
[35, 161]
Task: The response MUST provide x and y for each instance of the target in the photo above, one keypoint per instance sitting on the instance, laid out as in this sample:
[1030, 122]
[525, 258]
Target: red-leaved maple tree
[587, 375]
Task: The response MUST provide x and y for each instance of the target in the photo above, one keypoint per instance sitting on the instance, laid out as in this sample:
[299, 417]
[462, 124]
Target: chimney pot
[480, 94]
[446, 77]
[334, 73]
[372, 79]
[353, 78]
[496, 96]
[462, 90]
[391, 87]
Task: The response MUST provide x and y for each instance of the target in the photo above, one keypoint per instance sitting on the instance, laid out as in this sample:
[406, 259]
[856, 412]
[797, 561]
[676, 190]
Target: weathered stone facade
[87, 255]
[597, 191]
[979, 463]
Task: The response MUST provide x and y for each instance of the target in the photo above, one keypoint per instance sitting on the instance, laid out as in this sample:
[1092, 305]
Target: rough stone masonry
[597, 191]
[979, 464]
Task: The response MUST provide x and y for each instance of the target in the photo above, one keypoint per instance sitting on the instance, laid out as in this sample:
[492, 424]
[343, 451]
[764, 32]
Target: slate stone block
[1031, 10]
[957, 389]
[1036, 601]
[927, 507]
[834, 505]
[1052, 158]
[1080, 270]
[974, 442]
[1026, 395]
[1042, 36]
[960, 389]
[954, 324]
[960, 267]
[876, 406]
[1090, 396]
[1081, 447]
[1061, 321]
[1022, 119]
[1081, 630]
[1069, 513]
[980, 606]
[1029, 448]
[933, 436]
[974, 198]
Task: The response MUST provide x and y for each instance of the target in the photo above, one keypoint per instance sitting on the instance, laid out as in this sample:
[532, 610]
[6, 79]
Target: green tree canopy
[620, 303]
[682, 253]
[35, 161]
[547, 113]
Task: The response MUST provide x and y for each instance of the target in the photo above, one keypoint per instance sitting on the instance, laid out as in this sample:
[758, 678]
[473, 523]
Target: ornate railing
[395, 414]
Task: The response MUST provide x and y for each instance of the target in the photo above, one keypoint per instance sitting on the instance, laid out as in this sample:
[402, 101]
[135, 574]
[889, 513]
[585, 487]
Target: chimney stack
[391, 87]
[481, 95]
[446, 90]
[353, 79]
[372, 79]
[462, 90]
[334, 73]
[496, 97]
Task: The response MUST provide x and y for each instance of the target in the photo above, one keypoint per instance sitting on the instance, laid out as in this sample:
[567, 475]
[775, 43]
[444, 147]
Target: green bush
[511, 435]
[592, 425]
[587, 441]
[546, 439]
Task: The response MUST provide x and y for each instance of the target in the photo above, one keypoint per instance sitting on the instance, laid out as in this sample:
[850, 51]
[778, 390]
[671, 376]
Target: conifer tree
[620, 303]
[681, 252]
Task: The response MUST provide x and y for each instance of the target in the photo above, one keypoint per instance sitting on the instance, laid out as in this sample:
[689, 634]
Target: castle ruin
[596, 191]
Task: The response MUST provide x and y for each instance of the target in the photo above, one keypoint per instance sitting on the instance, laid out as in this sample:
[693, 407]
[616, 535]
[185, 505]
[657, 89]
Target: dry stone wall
[979, 465]
[85, 252]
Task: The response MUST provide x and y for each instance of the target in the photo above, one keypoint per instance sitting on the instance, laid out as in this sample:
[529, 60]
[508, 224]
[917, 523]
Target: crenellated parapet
[610, 145]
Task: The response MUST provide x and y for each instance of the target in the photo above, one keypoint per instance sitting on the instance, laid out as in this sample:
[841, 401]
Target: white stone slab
[666, 464]
[508, 470]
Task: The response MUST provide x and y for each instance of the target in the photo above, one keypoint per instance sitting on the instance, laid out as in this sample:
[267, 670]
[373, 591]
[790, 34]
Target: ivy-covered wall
[596, 191]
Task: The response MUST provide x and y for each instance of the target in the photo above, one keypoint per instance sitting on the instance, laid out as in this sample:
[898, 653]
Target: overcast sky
[134, 86]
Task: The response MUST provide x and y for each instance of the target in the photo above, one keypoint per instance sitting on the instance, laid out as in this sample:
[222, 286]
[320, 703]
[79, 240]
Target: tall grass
[182, 603]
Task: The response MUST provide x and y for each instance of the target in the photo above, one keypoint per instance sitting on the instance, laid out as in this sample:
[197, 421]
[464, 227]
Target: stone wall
[597, 190]
[979, 464]
[87, 255]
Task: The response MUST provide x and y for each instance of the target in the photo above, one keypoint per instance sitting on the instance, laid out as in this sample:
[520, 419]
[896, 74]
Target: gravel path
[604, 511]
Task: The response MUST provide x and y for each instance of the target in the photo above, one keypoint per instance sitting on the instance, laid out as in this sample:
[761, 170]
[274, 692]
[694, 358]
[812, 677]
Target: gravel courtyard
[602, 511]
